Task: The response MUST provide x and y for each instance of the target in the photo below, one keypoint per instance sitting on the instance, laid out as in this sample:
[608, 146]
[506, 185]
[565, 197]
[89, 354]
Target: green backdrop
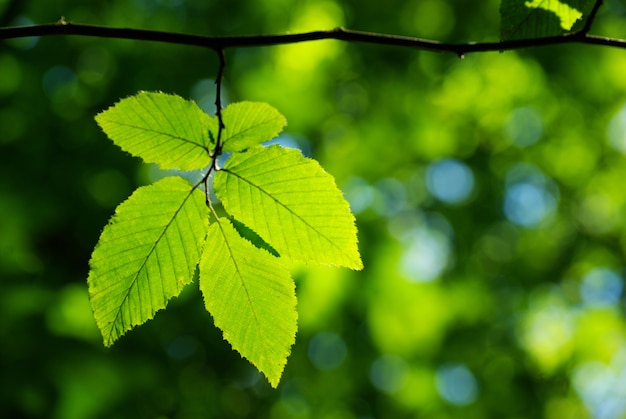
[488, 191]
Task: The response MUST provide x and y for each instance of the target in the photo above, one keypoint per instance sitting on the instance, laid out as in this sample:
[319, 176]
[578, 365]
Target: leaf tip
[273, 382]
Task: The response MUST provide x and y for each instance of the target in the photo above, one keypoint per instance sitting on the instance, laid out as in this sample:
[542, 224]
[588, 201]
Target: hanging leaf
[249, 124]
[282, 207]
[292, 203]
[161, 128]
[146, 255]
[251, 297]
[522, 19]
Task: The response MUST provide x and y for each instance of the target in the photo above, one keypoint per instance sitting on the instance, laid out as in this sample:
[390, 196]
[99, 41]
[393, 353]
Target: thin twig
[217, 151]
[218, 102]
[64, 27]
[591, 17]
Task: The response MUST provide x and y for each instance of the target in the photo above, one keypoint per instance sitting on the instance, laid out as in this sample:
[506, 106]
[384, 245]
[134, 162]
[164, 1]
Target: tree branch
[63, 27]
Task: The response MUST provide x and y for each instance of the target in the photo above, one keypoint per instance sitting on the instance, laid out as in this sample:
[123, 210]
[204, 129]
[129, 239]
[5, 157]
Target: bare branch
[63, 27]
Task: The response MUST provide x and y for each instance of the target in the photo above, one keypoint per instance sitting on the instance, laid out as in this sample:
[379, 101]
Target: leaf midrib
[147, 257]
[239, 274]
[288, 209]
[175, 137]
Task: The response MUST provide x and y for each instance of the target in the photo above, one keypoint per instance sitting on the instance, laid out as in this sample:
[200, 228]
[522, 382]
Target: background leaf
[251, 297]
[249, 124]
[292, 203]
[539, 18]
[146, 255]
[160, 128]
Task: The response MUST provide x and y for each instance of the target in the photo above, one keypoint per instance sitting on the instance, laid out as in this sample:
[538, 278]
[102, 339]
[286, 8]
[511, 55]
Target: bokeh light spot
[456, 384]
[529, 200]
[449, 180]
[548, 330]
[601, 287]
[616, 131]
[327, 351]
[426, 256]
[390, 197]
[527, 204]
[388, 373]
[524, 127]
[602, 389]
[598, 213]
[57, 78]
[23, 43]
[71, 314]
[359, 194]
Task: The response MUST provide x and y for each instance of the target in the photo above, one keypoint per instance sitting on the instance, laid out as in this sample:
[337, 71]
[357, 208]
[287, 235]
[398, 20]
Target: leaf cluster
[280, 206]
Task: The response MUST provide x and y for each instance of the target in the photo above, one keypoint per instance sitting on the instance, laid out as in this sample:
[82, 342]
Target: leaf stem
[591, 17]
[217, 151]
[210, 205]
[218, 101]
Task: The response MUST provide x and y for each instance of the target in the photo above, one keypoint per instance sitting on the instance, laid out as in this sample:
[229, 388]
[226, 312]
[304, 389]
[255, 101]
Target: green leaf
[279, 204]
[522, 19]
[146, 254]
[292, 203]
[248, 124]
[160, 128]
[251, 297]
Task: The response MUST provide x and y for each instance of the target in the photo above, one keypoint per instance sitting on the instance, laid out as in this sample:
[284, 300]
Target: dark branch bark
[63, 27]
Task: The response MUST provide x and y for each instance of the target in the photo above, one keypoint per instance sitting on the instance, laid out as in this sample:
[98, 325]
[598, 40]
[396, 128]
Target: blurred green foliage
[489, 195]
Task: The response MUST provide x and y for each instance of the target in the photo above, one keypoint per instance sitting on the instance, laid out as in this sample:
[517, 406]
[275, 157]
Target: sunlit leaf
[281, 207]
[160, 128]
[292, 203]
[146, 254]
[539, 18]
[251, 297]
[250, 123]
